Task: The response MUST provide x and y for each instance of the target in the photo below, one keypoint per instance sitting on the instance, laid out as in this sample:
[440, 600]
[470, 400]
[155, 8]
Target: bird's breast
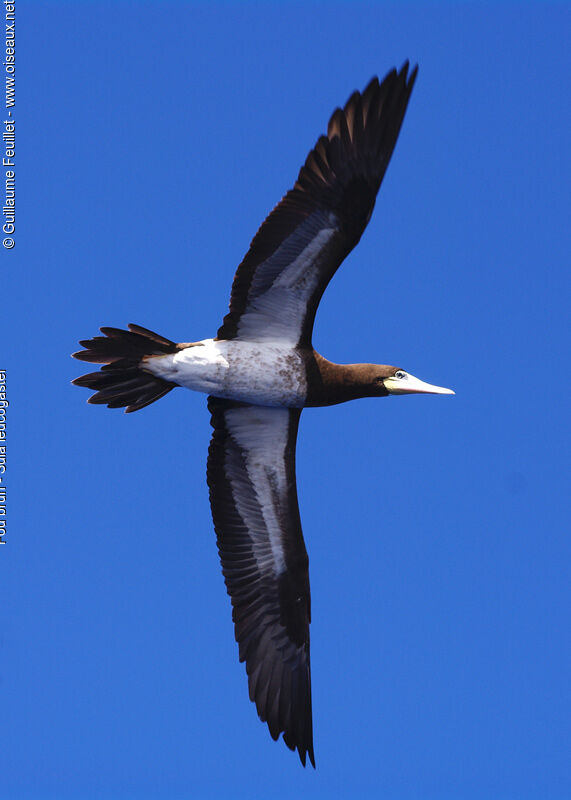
[263, 373]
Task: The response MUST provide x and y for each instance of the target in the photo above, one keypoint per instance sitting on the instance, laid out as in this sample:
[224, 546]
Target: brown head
[336, 383]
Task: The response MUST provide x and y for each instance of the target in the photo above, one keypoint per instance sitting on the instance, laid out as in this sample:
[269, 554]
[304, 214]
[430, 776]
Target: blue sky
[152, 140]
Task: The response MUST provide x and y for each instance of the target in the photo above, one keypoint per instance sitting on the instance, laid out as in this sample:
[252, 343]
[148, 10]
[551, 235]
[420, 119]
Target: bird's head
[395, 380]
[338, 383]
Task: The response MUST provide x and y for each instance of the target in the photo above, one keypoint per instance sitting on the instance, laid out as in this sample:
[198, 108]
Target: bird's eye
[400, 374]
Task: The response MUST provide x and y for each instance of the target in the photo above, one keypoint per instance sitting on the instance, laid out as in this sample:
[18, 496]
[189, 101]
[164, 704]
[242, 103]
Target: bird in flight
[259, 372]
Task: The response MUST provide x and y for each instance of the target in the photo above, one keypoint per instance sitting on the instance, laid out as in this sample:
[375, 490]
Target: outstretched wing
[298, 248]
[253, 495]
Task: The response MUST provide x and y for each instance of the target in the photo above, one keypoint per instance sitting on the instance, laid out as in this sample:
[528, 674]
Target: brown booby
[259, 371]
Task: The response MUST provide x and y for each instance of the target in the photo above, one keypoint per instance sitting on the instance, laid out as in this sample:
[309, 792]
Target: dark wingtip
[305, 754]
[304, 750]
[311, 757]
[412, 76]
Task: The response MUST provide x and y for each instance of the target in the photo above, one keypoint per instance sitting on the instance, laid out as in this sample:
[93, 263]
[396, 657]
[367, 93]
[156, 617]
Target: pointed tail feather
[122, 380]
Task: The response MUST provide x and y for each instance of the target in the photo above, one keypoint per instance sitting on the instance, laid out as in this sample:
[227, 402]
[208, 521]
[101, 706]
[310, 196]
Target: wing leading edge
[298, 248]
[253, 496]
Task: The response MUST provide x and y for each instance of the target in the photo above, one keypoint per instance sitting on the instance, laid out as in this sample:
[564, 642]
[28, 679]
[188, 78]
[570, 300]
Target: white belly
[263, 373]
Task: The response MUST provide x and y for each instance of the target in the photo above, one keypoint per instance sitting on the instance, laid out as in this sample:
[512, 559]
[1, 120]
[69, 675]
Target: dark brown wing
[295, 253]
[253, 495]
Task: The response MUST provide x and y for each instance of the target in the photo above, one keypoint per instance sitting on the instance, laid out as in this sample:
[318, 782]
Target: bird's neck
[330, 383]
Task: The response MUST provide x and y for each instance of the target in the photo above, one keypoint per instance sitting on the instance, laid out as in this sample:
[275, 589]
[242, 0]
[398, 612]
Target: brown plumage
[331, 383]
[271, 613]
[341, 177]
[262, 354]
[122, 381]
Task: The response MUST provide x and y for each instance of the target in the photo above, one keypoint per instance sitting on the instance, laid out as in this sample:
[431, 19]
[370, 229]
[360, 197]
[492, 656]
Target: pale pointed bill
[408, 384]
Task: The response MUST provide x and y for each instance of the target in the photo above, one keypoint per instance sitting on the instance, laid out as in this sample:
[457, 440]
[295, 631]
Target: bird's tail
[123, 380]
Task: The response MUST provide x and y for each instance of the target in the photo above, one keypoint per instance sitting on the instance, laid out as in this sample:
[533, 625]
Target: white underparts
[269, 373]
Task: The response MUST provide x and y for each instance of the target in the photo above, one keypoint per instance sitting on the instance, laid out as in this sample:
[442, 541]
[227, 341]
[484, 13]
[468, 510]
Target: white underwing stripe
[279, 311]
[262, 435]
[299, 275]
